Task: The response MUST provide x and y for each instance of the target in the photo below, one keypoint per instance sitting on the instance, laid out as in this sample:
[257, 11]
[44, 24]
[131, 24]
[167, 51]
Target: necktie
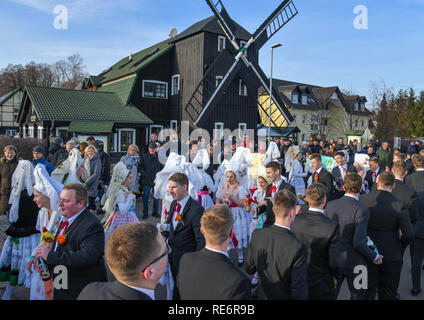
[177, 210]
[63, 227]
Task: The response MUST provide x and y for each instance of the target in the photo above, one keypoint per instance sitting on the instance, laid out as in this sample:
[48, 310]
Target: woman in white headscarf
[233, 193]
[22, 235]
[66, 172]
[119, 200]
[47, 197]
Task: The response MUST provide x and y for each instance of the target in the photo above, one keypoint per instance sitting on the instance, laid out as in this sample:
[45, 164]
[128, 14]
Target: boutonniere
[62, 239]
[179, 218]
[316, 178]
[348, 173]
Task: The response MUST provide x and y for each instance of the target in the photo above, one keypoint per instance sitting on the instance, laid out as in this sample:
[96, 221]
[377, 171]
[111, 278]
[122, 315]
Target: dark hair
[374, 159]
[179, 178]
[339, 153]
[315, 193]
[315, 156]
[284, 200]
[217, 222]
[352, 183]
[274, 165]
[418, 160]
[386, 178]
[399, 167]
[80, 191]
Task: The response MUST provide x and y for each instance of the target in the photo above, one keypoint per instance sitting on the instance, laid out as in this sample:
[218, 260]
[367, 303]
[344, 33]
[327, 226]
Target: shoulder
[92, 290]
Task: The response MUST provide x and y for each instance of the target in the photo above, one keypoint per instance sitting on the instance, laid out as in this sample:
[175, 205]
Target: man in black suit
[340, 172]
[388, 217]
[184, 223]
[409, 164]
[320, 234]
[209, 274]
[321, 175]
[352, 249]
[273, 172]
[278, 257]
[417, 247]
[371, 175]
[78, 245]
[416, 180]
[136, 255]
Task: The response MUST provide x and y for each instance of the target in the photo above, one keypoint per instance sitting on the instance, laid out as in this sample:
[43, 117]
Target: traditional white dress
[242, 219]
[124, 212]
[296, 176]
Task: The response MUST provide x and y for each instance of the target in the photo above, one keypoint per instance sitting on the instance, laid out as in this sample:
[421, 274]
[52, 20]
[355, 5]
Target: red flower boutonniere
[61, 239]
[316, 178]
[179, 218]
[348, 173]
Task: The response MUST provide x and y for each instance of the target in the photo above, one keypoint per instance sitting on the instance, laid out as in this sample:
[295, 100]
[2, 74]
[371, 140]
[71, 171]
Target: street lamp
[277, 45]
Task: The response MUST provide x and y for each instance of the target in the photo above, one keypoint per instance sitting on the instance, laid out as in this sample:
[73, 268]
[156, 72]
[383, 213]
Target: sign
[397, 142]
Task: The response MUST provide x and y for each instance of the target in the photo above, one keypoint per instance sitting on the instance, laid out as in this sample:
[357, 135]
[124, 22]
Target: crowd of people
[298, 219]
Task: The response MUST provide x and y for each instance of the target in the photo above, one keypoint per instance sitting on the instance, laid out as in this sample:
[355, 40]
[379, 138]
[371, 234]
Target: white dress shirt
[277, 186]
[221, 252]
[317, 210]
[70, 221]
[285, 227]
[147, 292]
[343, 172]
[182, 203]
[351, 196]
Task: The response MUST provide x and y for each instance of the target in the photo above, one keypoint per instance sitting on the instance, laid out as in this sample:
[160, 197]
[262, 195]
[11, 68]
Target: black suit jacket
[368, 178]
[351, 250]
[409, 166]
[270, 217]
[388, 216]
[209, 275]
[186, 237]
[320, 234]
[111, 291]
[337, 176]
[419, 224]
[82, 255]
[415, 180]
[408, 197]
[326, 178]
[281, 262]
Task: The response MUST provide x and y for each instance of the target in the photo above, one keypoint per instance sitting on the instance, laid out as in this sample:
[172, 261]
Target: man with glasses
[136, 254]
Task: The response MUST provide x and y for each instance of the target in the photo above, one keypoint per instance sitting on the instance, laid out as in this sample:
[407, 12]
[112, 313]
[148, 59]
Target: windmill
[238, 62]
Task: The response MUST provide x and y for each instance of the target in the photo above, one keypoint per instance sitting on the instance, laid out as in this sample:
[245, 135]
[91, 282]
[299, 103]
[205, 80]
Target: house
[163, 80]
[9, 108]
[324, 111]
[46, 112]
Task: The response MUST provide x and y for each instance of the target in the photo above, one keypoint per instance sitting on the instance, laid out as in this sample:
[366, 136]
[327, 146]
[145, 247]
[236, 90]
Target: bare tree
[69, 73]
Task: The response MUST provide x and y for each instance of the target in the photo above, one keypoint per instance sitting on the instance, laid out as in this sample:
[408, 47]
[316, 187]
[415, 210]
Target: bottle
[247, 205]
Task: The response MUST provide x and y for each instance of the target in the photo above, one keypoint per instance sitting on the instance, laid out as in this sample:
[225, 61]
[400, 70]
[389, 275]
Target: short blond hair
[217, 222]
[134, 146]
[90, 147]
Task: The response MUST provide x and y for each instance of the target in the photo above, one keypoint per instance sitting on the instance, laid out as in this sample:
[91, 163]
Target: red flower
[61, 239]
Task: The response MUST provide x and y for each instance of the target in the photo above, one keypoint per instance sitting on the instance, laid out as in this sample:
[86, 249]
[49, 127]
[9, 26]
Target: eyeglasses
[168, 251]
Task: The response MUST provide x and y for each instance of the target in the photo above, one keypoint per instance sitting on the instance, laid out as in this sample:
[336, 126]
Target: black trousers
[384, 279]
[417, 253]
[92, 203]
[355, 294]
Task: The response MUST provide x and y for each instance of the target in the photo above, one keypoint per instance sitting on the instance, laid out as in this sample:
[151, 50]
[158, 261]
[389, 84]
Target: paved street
[21, 293]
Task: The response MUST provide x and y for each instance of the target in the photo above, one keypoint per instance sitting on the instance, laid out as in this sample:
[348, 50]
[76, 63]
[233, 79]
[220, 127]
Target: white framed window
[40, 132]
[155, 89]
[175, 85]
[242, 128]
[242, 88]
[221, 43]
[61, 132]
[362, 122]
[126, 137]
[11, 133]
[356, 123]
[174, 125]
[362, 106]
[295, 98]
[113, 142]
[304, 99]
[355, 107]
[218, 80]
[219, 131]
[31, 131]
[158, 129]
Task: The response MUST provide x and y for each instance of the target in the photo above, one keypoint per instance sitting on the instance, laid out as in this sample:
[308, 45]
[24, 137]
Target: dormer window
[221, 43]
[304, 99]
[355, 107]
[295, 98]
[362, 106]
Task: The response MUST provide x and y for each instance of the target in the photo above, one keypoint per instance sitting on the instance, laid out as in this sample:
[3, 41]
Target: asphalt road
[405, 286]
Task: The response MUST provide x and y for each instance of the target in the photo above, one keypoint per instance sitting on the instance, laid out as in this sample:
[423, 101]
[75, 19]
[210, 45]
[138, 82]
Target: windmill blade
[274, 94]
[278, 19]
[224, 84]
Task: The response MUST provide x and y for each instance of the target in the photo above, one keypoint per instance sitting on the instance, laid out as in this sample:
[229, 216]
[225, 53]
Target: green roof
[122, 88]
[138, 61]
[69, 105]
[91, 126]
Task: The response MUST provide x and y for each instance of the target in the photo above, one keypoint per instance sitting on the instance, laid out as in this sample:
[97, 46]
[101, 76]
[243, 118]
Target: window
[242, 128]
[362, 122]
[221, 43]
[62, 132]
[362, 106]
[126, 138]
[304, 99]
[40, 133]
[15, 116]
[355, 106]
[155, 89]
[314, 118]
[174, 125]
[356, 123]
[158, 129]
[242, 88]
[303, 119]
[175, 88]
[31, 132]
[11, 133]
[219, 131]
[303, 137]
[295, 98]
[113, 141]
[16, 110]
[218, 80]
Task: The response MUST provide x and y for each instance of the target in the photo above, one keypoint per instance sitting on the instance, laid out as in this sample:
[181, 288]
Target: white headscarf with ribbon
[272, 153]
[22, 179]
[120, 173]
[68, 167]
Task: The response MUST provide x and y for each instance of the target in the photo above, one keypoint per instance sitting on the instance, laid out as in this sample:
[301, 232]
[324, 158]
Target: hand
[32, 263]
[379, 260]
[43, 252]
